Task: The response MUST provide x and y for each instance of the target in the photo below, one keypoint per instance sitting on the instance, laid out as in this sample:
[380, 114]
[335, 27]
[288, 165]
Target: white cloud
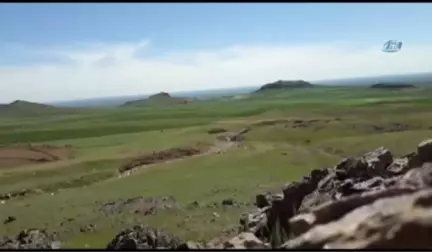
[112, 70]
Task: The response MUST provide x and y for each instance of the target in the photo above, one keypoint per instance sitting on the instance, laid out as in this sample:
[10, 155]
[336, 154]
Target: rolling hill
[25, 108]
[159, 99]
[281, 84]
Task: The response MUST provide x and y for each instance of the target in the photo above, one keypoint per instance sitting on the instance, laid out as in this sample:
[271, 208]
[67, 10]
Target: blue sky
[87, 50]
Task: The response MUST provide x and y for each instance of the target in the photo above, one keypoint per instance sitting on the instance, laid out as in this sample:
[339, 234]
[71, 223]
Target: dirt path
[217, 147]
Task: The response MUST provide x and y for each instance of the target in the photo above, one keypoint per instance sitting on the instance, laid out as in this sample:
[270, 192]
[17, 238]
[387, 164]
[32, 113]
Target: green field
[333, 122]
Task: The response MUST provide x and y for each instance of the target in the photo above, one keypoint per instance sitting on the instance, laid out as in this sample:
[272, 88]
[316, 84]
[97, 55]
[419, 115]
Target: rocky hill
[25, 108]
[161, 98]
[375, 201]
[281, 84]
[391, 86]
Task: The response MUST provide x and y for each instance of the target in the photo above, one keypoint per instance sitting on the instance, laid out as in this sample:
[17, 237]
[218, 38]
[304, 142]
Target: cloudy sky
[52, 52]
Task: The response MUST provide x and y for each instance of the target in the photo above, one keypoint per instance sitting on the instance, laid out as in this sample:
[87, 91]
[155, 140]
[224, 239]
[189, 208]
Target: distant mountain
[25, 108]
[281, 84]
[101, 102]
[120, 100]
[392, 86]
[158, 99]
[418, 79]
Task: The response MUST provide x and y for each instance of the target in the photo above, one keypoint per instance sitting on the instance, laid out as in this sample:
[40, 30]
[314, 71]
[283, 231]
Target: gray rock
[399, 166]
[378, 160]
[334, 210]
[30, 239]
[245, 240]
[326, 208]
[400, 222]
[143, 237]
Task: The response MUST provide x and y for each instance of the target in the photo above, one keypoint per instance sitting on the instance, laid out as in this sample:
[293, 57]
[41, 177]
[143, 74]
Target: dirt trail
[217, 147]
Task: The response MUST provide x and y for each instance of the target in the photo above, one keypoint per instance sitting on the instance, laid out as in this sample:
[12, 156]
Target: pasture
[292, 132]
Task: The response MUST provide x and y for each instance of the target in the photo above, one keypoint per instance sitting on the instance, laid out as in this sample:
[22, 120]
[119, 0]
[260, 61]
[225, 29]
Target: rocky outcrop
[30, 239]
[368, 202]
[399, 220]
[142, 237]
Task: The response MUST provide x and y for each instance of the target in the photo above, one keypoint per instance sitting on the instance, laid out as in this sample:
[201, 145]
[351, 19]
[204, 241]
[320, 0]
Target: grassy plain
[335, 122]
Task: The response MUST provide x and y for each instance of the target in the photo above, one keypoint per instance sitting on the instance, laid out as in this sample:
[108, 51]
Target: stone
[244, 240]
[424, 150]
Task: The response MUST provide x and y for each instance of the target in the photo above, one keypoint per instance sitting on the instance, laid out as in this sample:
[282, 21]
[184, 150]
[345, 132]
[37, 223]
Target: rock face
[375, 201]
